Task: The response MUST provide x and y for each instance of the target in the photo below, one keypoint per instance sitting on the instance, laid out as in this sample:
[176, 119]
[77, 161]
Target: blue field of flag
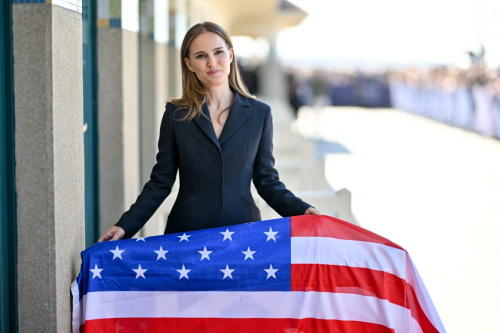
[246, 257]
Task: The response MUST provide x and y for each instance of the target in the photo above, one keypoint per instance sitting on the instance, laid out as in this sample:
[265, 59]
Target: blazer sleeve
[266, 178]
[160, 184]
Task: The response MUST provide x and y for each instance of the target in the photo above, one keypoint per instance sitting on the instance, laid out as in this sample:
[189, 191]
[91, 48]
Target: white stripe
[298, 305]
[332, 251]
[75, 291]
[423, 296]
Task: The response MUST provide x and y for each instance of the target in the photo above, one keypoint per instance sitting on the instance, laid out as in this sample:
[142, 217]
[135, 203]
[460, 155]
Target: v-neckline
[223, 126]
[236, 117]
[227, 119]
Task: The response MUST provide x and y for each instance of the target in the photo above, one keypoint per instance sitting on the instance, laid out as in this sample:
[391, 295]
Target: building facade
[84, 85]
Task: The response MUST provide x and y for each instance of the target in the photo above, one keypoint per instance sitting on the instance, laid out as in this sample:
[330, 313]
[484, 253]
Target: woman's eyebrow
[220, 47]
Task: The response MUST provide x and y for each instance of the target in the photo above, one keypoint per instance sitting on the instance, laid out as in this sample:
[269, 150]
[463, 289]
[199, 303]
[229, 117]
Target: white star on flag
[227, 272]
[97, 271]
[161, 253]
[141, 239]
[248, 253]
[227, 235]
[271, 234]
[117, 253]
[205, 254]
[184, 237]
[140, 271]
[271, 272]
[184, 272]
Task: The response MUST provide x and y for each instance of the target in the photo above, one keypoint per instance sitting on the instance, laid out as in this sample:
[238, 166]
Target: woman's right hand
[114, 233]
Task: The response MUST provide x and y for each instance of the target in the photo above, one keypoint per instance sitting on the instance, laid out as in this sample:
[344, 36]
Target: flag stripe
[331, 251]
[361, 281]
[360, 254]
[77, 318]
[223, 325]
[326, 226]
[299, 305]
[303, 274]
[422, 295]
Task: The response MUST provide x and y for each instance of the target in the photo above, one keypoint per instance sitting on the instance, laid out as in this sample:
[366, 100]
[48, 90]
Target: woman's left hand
[311, 211]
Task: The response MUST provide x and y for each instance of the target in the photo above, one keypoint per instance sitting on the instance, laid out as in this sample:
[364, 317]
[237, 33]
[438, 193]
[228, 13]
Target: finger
[106, 237]
[102, 239]
[312, 211]
[117, 236]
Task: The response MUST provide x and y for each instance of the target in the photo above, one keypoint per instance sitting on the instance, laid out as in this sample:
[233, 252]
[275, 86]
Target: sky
[392, 33]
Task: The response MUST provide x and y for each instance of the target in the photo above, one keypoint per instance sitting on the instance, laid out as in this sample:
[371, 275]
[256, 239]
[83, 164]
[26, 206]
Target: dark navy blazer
[215, 174]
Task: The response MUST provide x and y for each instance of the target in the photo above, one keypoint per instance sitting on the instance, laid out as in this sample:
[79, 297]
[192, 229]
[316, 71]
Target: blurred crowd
[468, 98]
[338, 88]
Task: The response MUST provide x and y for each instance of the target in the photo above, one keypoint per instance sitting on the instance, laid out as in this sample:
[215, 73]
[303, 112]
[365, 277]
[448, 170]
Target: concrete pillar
[148, 140]
[118, 64]
[272, 79]
[48, 89]
[195, 9]
[154, 94]
[178, 28]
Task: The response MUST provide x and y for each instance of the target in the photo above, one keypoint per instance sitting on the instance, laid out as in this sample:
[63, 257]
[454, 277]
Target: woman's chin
[214, 82]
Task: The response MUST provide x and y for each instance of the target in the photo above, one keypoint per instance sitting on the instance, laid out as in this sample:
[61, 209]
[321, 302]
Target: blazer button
[217, 204]
[217, 162]
[217, 183]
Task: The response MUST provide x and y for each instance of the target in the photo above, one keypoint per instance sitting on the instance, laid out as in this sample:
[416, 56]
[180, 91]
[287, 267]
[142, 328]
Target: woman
[219, 137]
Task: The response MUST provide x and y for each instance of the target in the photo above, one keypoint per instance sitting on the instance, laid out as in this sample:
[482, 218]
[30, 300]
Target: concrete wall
[130, 86]
[118, 123]
[162, 72]
[148, 133]
[48, 90]
[110, 120]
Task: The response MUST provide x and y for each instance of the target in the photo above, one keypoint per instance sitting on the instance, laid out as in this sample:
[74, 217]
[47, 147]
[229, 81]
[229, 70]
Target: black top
[215, 174]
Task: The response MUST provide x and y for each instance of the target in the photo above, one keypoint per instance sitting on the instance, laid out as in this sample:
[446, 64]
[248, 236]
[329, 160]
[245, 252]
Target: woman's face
[210, 59]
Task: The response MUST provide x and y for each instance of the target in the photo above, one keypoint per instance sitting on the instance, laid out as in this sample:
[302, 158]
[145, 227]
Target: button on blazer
[215, 174]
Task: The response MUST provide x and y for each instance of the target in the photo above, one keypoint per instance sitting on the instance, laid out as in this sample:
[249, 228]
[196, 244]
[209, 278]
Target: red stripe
[223, 325]
[327, 226]
[361, 281]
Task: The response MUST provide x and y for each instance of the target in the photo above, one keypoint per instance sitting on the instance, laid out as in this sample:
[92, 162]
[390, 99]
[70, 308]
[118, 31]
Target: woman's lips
[213, 72]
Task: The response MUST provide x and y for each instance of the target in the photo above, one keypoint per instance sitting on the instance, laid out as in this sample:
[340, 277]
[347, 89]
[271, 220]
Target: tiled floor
[431, 188]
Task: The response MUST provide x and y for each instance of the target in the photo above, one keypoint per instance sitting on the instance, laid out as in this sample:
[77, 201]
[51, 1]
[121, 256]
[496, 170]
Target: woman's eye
[219, 52]
[199, 56]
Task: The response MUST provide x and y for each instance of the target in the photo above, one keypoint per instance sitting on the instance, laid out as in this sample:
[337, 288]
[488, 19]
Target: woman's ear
[188, 64]
[230, 55]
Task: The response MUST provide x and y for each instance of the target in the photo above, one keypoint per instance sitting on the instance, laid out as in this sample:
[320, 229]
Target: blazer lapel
[206, 125]
[236, 117]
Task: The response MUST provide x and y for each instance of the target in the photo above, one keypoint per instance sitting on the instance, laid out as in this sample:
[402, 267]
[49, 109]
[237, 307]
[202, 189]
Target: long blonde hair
[193, 91]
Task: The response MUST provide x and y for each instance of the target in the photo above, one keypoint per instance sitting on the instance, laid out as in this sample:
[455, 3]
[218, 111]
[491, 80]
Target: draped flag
[300, 274]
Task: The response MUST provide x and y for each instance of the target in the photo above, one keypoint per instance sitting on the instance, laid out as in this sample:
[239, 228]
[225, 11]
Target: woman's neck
[219, 97]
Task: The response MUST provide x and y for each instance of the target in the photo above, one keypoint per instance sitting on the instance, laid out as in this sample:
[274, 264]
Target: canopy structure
[258, 18]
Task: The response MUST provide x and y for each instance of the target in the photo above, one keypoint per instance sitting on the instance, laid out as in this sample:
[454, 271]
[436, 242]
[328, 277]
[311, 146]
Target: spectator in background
[469, 99]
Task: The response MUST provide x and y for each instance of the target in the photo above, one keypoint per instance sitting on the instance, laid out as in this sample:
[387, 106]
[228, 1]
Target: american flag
[299, 274]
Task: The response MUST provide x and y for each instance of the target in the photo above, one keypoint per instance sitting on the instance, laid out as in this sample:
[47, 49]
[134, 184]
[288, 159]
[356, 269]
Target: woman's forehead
[207, 41]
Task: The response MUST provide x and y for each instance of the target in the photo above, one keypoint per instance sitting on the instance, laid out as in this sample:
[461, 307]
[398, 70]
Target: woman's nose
[211, 61]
